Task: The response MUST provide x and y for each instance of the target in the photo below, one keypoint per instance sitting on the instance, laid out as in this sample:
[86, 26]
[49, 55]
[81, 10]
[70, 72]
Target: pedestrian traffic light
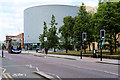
[84, 36]
[102, 34]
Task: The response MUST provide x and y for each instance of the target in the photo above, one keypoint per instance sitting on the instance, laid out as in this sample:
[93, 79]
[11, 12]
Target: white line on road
[49, 73]
[87, 68]
[4, 70]
[14, 65]
[111, 73]
[54, 75]
[37, 69]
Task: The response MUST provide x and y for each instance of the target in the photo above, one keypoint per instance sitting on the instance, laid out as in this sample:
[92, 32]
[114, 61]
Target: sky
[12, 13]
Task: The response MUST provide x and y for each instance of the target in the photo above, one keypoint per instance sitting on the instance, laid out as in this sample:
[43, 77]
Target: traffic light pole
[102, 37]
[81, 45]
[101, 51]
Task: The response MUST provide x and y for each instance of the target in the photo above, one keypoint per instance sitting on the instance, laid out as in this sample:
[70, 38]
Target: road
[23, 65]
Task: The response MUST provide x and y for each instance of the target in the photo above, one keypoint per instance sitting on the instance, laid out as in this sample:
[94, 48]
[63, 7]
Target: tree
[67, 32]
[41, 37]
[91, 30]
[52, 38]
[108, 18]
[81, 25]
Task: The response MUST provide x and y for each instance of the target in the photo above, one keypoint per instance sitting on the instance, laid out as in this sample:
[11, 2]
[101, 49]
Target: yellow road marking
[10, 76]
[5, 76]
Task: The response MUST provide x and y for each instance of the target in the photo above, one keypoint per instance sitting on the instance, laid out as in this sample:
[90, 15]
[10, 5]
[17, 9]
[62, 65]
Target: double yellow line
[7, 76]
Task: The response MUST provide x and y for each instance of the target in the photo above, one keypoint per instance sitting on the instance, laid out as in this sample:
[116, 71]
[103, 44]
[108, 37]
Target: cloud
[91, 3]
[12, 12]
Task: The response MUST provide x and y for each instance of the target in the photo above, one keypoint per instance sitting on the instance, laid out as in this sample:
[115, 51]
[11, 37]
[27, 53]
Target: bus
[14, 45]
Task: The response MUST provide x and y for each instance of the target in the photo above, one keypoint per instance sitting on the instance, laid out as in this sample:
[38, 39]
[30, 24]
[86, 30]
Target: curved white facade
[35, 16]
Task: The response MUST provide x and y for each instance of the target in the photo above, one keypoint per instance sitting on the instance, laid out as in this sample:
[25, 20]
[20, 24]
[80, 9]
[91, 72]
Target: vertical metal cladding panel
[35, 16]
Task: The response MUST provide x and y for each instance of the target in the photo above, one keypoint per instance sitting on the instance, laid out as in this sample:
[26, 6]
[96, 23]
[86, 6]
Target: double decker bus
[14, 45]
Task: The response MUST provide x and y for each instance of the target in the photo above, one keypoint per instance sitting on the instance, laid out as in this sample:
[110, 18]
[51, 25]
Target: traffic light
[102, 34]
[84, 36]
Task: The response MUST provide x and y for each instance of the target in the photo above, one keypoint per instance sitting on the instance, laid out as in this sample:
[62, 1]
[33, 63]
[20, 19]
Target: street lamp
[102, 37]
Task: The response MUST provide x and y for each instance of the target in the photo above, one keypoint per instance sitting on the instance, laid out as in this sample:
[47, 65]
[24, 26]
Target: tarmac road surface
[23, 65]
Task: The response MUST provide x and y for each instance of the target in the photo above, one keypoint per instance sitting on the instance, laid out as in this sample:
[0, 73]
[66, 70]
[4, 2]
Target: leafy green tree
[91, 30]
[67, 32]
[41, 37]
[81, 25]
[108, 18]
[52, 38]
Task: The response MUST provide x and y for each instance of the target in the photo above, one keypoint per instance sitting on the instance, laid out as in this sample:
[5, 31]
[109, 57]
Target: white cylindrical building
[35, 16]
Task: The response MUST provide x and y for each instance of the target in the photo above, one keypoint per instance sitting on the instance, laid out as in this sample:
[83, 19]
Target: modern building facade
[35, 16]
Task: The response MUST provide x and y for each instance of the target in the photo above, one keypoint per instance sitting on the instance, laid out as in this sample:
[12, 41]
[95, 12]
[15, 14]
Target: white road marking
[86, 68]
[54, 75]
[49, 73]
[111, 73]
[90, 69]
[14, 65]
[30, 66]
[4, 70]
[18, 74]
[37, 69]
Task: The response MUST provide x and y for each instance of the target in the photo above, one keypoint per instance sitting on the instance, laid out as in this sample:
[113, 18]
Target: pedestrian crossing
[6, 76]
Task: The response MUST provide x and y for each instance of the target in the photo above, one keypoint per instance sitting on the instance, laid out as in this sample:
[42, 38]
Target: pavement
[88, 59]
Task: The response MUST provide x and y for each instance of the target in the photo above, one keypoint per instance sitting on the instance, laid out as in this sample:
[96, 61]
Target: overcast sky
[11, 13]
